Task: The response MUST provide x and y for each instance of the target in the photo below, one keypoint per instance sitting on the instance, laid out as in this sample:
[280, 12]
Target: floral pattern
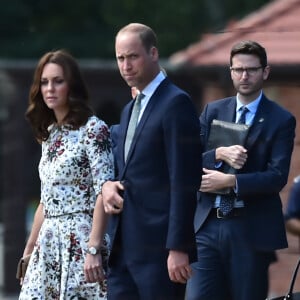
[73, 166]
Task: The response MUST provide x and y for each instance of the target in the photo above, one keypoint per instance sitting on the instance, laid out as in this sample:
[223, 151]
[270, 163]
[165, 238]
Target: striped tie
[242, 119]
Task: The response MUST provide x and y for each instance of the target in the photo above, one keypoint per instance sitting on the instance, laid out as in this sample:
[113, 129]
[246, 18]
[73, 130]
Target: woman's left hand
[93, 269]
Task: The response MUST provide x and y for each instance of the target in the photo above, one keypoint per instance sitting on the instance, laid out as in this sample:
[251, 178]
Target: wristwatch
[92, 251]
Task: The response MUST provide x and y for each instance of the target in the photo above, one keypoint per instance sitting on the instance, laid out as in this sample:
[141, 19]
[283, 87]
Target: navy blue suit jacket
[269, 144]
[114, 134]
[161, 177]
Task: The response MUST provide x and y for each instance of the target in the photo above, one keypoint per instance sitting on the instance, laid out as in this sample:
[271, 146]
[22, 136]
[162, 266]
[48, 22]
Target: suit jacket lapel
[258, 122]
[229, 113]
[122, 136]
[146, 114]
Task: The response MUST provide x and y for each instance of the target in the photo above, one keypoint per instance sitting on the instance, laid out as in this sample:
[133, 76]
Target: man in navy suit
[153, 202]
[236, 246]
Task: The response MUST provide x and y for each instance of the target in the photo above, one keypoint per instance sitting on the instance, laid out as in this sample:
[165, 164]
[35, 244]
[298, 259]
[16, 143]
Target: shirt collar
[252, 106]
[152, 86]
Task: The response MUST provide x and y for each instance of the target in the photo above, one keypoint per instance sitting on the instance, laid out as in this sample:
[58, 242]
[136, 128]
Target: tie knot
[139, 97]
[244, 109]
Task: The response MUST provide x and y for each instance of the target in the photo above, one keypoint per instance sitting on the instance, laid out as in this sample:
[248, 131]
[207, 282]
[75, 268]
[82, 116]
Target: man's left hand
[178, 266]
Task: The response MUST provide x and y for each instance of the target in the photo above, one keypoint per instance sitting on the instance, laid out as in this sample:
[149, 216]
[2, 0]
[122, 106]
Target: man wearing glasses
[236, 243]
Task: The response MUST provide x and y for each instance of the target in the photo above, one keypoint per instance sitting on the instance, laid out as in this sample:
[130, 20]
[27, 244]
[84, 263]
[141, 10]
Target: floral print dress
[73, 166]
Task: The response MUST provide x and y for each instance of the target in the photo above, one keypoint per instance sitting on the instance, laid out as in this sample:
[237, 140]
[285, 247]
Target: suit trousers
[228, 268]
[141, 281]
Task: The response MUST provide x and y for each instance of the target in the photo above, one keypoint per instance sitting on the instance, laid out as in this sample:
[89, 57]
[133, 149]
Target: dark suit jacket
[114, 134]
[269, 144]
[161, 176]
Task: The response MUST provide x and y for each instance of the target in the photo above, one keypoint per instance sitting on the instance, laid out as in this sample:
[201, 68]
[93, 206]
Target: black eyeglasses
[250, 71]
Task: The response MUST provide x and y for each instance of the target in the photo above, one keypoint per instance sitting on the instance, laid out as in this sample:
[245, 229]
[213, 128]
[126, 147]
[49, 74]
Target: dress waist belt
[88, 212]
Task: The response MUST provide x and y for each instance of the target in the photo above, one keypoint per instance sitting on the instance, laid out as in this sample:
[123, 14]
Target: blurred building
[202, 69]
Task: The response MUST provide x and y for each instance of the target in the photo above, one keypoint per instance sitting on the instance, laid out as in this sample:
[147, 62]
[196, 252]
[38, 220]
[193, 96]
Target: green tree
[87, 28]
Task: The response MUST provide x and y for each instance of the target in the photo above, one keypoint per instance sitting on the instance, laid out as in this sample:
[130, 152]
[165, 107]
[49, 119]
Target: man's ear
[266, 72]
[154, 53]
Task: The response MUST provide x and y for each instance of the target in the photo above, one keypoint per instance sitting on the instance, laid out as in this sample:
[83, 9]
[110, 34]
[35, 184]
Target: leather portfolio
[224, 134]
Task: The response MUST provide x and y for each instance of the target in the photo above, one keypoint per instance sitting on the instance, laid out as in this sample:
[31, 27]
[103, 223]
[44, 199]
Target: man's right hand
[235, 156]
[112, 200]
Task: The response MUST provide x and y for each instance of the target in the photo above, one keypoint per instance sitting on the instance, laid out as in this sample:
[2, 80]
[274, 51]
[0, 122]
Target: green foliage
[28, 28]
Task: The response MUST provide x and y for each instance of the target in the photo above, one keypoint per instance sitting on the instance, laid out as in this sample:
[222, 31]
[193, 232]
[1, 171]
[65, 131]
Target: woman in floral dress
[68, 252]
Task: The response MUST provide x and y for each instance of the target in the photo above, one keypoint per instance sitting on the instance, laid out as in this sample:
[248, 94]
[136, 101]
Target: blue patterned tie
[227, 201]
[133, 123]
[242, 119]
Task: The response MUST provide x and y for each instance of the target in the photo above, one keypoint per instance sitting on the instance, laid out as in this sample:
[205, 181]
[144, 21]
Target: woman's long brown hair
[39, 115]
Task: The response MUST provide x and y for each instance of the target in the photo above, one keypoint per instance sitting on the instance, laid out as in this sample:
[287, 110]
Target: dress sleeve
[99, 152]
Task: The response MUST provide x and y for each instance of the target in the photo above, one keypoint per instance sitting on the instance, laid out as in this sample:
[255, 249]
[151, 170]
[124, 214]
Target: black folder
[224, 134]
